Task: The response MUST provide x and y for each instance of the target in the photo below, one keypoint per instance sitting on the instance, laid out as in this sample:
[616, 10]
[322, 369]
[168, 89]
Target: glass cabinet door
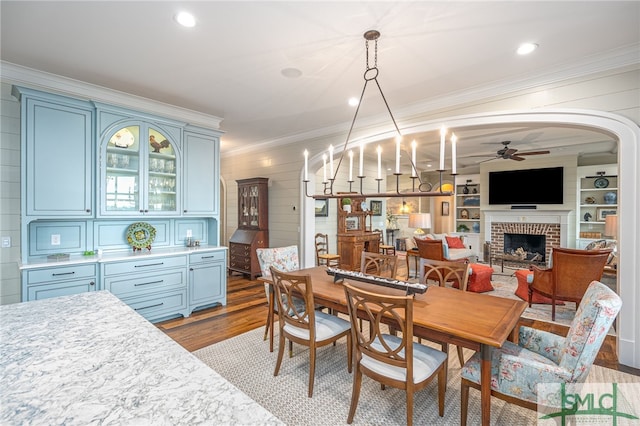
[123, 171]
[161, 185]
[141, 173]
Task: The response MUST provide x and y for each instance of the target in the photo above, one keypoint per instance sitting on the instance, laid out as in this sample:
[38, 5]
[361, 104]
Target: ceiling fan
[510, 153]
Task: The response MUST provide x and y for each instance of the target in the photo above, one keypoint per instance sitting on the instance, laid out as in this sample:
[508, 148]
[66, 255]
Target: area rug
[246, 362]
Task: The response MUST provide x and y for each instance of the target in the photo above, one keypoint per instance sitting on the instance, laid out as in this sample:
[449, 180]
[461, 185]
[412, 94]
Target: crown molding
[35, 79]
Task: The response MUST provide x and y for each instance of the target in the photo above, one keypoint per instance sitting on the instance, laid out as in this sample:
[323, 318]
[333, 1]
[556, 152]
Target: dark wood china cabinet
[253, 226]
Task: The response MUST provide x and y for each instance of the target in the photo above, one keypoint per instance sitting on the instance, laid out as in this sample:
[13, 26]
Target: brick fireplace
[553, 224]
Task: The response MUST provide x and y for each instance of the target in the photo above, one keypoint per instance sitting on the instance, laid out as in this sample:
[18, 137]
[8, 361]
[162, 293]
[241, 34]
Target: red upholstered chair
[572, 272]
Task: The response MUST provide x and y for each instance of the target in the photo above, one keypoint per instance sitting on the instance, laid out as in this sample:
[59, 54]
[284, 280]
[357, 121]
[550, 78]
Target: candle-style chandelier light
[419, 188]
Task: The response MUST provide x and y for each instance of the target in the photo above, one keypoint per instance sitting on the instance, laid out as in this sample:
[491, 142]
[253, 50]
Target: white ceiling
[230, 65]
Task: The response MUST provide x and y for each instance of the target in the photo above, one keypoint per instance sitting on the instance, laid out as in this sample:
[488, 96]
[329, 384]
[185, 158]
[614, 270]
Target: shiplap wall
[9, 194]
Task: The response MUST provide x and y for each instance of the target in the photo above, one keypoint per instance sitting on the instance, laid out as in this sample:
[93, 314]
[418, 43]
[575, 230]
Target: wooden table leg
[271, 319]
[485, 384]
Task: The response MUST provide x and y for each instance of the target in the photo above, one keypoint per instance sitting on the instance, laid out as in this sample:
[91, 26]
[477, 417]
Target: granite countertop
[116, 256]
[90, 359]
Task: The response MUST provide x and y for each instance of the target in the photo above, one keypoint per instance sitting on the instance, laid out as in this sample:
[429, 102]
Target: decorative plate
[140, 235]
[123, 138]
[601, 182]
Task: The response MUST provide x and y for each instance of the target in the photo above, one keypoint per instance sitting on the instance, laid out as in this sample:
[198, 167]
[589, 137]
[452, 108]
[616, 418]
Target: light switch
[55, 239]
[6, 242]
[189, 233]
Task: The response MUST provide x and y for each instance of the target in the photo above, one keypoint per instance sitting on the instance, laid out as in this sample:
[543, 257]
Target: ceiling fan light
[526, 48]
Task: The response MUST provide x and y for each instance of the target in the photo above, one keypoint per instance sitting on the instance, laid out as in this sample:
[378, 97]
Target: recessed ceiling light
[353, 102]
[186, 19]
[291, 72]
[526, 48]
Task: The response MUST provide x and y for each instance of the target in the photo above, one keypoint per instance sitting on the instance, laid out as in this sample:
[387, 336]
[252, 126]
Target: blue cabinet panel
[57, 138]
[201, 175]
[112, 235]
[71, 236]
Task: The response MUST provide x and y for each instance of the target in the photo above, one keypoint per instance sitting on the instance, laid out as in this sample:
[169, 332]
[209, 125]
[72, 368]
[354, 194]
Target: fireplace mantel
[560, 217]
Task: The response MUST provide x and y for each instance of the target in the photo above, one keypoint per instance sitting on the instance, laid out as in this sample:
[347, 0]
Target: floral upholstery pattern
[282, 258]
[543, 357]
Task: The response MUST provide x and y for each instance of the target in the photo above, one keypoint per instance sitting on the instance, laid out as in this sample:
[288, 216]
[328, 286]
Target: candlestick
[453, 153]
[306, 165]
[443, 133]
[330, 161]
[398, 139]
[350, 165]
[324, 168]
[414, 145]
[361, 167]
[379, 151]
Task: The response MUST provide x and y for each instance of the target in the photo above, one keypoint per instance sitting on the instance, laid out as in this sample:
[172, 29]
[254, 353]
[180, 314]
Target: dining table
[442, 314]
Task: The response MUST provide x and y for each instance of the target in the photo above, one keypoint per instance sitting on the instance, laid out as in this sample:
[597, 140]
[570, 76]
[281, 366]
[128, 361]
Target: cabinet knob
[184, 211]
[88, 210]
[141, 211]
[191, 269]
[146, 210]
[92, 283]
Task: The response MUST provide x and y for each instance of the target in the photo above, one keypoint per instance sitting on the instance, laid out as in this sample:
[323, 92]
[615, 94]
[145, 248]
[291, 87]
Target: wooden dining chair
[307, 326]
[384, 248]
[443, 272]
[382, 265]
[391, 360]
[323, 257]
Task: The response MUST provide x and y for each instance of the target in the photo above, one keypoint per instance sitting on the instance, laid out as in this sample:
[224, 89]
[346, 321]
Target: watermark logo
[616, 404]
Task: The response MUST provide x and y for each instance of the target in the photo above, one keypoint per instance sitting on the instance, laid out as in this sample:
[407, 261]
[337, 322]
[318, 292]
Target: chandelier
[418, 187]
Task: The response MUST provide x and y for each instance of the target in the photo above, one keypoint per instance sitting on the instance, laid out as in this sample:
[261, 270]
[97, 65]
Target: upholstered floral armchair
[543, 357]
[284, 259]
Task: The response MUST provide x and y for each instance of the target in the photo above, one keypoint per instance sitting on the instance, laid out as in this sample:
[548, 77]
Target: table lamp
[420, 221]
[611, 226]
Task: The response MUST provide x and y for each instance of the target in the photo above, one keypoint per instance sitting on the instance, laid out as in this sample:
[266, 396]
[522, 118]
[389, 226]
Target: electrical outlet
[189, 233]
[55, 239]
[6, 242]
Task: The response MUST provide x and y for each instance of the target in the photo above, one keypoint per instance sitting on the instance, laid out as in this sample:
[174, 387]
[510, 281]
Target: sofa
[453, 246]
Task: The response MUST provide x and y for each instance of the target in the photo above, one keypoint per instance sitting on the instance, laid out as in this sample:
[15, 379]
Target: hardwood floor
[247, 309]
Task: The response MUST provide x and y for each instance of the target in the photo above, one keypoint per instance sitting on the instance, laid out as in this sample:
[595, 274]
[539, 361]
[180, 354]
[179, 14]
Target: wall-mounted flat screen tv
[529, 186]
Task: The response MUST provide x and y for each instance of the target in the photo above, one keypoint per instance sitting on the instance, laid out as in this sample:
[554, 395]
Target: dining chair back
[284, 259]
[305, 325]
[382, 265]
[323, 257]
[543, 357]
[443, 272]
[571, 273]
[391, 360]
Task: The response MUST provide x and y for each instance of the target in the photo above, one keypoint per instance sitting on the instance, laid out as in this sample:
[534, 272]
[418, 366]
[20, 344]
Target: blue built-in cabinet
[90, 170]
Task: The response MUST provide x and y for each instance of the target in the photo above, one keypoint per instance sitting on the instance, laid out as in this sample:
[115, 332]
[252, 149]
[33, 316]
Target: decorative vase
[476, 227]
[465, 190]
[610, 197]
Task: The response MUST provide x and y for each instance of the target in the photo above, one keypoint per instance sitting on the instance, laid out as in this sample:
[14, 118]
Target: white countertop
[116, 256]
[90, 359]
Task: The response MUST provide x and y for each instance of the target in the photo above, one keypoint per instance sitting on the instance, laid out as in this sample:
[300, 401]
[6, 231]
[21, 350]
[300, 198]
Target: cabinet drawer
[61, 274]
[160, 305]
[46, 291]
[240, 263]
[126, 286]
[151, 264]
[211, 256]
[241, 249]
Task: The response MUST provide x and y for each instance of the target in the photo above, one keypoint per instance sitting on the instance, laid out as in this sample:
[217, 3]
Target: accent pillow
[455, 243]
[596, 245]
